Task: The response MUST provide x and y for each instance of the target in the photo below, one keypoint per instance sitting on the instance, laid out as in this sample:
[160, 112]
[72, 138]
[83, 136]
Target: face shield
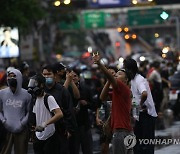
[32, 83]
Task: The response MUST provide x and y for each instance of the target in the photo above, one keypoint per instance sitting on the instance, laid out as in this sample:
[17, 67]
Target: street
[173, 131]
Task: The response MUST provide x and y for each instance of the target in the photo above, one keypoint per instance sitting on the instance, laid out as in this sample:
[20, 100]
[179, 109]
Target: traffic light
[117, 44]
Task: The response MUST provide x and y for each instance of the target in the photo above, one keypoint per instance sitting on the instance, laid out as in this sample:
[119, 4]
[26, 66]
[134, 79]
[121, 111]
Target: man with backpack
[67, 125]
[47, 112]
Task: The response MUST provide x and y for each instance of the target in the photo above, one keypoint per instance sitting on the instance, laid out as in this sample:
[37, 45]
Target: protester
[83, 104]
[145, 127]
[14, 112]
[103, 118]
[64, 77]
[121, 107]
[156, 85]
[46, 138]
[24, 68]
[63, 98]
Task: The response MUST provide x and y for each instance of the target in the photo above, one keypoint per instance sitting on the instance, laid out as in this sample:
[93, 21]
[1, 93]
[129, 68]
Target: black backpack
[59, 125]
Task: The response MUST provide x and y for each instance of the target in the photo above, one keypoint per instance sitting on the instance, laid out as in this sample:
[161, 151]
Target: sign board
[9, 47]
[109, 3]
[71, 25]
[94, 19]
[145, 17]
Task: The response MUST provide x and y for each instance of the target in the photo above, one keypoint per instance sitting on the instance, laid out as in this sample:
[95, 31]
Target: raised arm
[110, 77]
[68, 82]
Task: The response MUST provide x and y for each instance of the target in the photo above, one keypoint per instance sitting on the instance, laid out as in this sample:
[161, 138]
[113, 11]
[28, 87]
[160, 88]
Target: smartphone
[95, 54]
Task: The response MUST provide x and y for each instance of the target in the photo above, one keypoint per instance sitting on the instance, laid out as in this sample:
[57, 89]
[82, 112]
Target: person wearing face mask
[68, 124]
[46, 138]
[14, 112]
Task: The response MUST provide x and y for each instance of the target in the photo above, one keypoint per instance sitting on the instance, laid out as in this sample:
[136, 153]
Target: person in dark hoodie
[14, 112]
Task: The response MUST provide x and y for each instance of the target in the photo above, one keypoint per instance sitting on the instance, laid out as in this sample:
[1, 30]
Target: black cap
[59, 66]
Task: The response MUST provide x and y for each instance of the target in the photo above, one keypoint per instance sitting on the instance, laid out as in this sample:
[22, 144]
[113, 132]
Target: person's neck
[50, 86]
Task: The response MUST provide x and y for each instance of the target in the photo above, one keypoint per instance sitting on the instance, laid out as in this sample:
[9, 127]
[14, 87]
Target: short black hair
[156, 64]
[113, 68]
[49, 67]
[40, 79]
[131, 65]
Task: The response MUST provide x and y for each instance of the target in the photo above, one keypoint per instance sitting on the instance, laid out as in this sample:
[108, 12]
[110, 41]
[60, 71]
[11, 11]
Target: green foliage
[20, 13]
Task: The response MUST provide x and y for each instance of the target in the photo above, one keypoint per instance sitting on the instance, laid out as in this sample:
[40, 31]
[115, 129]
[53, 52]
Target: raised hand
[96, 58]
[69, 76]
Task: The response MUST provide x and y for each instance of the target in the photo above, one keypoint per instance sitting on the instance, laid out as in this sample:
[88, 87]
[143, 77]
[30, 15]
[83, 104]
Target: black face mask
[12, 82]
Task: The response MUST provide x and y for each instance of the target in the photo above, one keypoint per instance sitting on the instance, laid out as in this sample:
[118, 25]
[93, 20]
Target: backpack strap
[46, 102]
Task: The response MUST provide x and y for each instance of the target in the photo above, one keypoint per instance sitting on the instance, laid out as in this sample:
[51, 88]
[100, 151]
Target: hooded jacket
[14, 107]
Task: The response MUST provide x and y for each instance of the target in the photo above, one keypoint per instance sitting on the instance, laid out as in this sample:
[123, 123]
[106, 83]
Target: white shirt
[42, 115]
[138, 85]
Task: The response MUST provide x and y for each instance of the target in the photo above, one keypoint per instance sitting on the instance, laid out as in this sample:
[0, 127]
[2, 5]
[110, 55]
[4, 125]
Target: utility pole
[176, 19]
[177, 31]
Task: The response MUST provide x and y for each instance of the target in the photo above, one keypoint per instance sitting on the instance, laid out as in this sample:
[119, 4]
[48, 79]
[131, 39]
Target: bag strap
[46, 102]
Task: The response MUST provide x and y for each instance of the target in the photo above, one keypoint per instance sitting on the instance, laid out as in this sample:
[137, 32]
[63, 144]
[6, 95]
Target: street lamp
[66, 2]
[57, 3]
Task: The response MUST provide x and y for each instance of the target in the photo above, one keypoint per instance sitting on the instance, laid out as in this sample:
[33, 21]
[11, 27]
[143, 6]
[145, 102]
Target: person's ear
[126, 80]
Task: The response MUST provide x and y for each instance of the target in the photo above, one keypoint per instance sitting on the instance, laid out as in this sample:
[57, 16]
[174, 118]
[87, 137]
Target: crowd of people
[53, 108]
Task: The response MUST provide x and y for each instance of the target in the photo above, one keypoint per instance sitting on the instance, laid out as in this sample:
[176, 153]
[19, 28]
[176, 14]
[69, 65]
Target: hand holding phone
[95, 54]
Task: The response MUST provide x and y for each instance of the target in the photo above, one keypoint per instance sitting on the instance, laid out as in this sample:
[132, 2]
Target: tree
[20, 13]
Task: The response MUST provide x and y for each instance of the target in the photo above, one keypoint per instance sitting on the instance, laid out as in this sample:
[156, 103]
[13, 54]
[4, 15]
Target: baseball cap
[59, 66]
